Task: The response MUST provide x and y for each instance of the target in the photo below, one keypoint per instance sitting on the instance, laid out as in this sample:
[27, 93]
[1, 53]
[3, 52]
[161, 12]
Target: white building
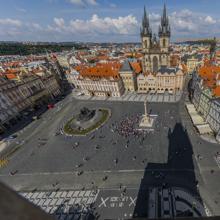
[102, 80]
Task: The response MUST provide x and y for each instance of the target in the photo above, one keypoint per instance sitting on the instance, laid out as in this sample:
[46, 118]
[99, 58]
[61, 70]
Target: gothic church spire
[164, 28]
[145, 29]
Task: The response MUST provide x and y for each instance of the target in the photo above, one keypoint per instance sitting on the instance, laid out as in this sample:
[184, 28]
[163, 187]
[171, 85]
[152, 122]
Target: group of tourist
[128, 126]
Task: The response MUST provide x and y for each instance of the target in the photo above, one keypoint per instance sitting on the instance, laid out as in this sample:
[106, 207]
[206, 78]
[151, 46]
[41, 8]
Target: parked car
[36, 117]
[50, 106]
[13, 136]
[80, 94]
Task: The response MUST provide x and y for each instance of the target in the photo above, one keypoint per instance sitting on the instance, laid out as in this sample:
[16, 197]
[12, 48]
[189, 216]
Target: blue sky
[104, 20]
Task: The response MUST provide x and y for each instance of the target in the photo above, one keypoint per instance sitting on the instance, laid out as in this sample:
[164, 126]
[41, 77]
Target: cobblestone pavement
[217, 159]
[134, 97]
[63, 204]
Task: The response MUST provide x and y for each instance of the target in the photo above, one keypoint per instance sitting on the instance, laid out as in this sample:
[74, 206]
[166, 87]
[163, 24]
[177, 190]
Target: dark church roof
[126, 67]
[165, 69]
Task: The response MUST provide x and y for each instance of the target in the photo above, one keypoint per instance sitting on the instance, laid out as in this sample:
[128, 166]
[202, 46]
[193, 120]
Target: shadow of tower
[178, 172]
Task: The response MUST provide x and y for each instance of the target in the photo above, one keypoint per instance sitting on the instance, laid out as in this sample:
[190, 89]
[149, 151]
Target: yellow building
[192, 63]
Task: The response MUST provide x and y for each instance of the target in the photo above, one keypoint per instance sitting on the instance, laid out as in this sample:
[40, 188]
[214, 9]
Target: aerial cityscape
[110, 116]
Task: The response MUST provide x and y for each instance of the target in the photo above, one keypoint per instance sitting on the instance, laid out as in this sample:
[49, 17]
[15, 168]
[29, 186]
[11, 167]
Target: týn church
[156, 76]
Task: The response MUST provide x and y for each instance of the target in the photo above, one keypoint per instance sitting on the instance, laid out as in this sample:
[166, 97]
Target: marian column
[146, 121]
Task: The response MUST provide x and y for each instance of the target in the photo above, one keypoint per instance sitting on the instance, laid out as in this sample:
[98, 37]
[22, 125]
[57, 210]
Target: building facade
[100, 80]
[165, 80]
[213, 117]
[128, 77]
[106, 87]
[8, 111]
[192, 63]
[10, 88]
[32, 89]
[204, 102]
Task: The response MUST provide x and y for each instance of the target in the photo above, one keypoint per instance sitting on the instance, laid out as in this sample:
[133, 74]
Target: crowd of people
[128, 126]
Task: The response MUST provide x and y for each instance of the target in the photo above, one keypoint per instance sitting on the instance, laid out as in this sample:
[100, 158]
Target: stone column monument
[146, 120]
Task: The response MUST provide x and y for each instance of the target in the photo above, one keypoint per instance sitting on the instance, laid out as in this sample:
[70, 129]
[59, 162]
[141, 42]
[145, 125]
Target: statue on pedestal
[85, 114]
[146, 120]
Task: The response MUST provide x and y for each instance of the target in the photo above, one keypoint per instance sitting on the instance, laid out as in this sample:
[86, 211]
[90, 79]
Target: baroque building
[156, 51]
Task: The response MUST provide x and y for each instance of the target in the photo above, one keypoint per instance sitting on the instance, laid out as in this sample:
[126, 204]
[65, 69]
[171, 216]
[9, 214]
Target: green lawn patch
[70, 131]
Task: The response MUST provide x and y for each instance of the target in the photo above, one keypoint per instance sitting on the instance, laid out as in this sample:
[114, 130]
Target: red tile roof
[210, 74]
[11, 76]
[216, 91]
[100, 70]
[136, 66]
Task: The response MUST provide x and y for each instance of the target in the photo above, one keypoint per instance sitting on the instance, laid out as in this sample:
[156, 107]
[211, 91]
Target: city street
[107, 161]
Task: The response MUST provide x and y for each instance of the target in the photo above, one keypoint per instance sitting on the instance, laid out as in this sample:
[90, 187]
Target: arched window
[155, 64]
[164, 42]
[145, 43]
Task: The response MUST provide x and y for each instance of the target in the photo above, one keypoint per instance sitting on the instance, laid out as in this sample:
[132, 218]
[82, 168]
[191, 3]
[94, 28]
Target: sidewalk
[3, 145]
[134, 97]
[209, 138]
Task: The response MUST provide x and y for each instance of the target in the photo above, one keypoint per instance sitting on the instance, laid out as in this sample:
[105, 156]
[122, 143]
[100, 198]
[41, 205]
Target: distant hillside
[27, 49]
[197, 41]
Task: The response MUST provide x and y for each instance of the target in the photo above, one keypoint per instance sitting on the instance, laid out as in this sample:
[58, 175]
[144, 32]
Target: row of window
[158, 89]
[128, 77]
[101, 88]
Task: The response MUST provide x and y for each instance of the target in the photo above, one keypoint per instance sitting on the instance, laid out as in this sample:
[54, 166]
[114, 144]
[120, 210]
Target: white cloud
[77, 2]
[21, 10]
[92, 2]
[210, 20]
[184, 23]
[96, 25]
[84, 3]
[59, 22]
[187, 23]
[33, 27]
[112, 5]
[10, 22]
[154, 17]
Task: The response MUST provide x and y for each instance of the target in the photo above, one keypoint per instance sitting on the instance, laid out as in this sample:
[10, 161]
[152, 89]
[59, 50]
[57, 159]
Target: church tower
[146, 32]
[146, 38]
[156, 51]
[164, 32]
